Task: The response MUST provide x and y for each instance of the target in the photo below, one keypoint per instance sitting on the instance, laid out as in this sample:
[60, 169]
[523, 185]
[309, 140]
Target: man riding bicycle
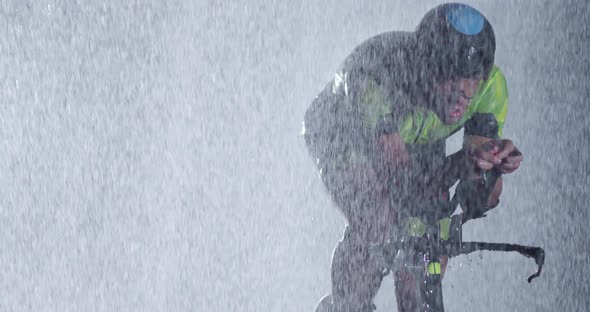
[378, 133]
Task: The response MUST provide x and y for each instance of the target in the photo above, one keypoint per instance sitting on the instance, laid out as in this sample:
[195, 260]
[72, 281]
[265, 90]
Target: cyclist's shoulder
[494, 91]
[496, 74]
[492, 98]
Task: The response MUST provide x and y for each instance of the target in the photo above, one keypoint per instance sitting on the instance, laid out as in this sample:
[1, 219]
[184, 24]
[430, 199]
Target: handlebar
[474, 195]
[536, 253]
[453, 249]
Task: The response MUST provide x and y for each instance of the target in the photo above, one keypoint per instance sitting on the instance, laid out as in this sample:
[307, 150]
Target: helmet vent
[464, 19]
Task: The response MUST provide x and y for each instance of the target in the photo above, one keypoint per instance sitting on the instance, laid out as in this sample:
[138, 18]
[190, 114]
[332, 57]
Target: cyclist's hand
[485, 156]
[502, 153]
[510, 155]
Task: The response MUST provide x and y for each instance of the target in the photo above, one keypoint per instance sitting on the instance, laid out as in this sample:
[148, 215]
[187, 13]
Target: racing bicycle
[424, 239]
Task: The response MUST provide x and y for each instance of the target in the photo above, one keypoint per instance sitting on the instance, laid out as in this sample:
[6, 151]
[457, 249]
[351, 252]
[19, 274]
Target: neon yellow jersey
[421, 126]
[418, 126]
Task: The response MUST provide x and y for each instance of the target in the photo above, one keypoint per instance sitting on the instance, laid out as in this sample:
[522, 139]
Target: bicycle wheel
[417, 291]
[325, 304]
[431, 299]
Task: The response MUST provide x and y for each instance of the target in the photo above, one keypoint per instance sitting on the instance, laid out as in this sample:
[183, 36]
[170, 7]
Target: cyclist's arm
[491, 103]
[411, 178]
[382, 115]
[492, 100]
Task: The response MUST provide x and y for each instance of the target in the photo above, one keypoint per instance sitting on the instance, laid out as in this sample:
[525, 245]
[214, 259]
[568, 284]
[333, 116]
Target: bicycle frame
[421, 254]
[426, 266]
[426, 250]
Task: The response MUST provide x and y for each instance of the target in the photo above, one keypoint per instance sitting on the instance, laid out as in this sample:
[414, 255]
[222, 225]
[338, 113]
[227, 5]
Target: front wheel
[325, 305]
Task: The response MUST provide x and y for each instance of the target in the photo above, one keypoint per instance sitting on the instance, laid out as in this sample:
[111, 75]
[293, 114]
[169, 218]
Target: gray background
[152, 157]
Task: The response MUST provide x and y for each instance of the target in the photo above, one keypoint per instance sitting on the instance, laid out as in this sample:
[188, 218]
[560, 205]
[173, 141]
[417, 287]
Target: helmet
[456, 41]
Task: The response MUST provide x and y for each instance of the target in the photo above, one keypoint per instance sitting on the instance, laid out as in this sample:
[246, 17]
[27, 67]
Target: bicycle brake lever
[539, 260]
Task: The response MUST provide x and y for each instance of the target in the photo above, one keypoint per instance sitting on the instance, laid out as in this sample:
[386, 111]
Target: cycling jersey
[340, 126]
[421, 126]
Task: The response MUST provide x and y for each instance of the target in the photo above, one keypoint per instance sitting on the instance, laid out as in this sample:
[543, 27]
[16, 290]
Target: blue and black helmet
[456, 41]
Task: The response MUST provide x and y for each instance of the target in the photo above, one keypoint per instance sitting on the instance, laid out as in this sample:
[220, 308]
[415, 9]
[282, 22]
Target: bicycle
[419, 247]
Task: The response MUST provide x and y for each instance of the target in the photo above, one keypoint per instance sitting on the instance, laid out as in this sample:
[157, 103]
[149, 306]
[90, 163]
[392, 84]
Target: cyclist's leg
[356, 275]
[407, 287]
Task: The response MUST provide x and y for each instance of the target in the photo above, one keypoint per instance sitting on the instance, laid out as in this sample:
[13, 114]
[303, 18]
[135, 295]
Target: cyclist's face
[456, 95]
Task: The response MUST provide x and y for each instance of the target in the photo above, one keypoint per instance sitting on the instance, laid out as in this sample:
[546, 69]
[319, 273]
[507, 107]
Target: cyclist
[378, 133]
